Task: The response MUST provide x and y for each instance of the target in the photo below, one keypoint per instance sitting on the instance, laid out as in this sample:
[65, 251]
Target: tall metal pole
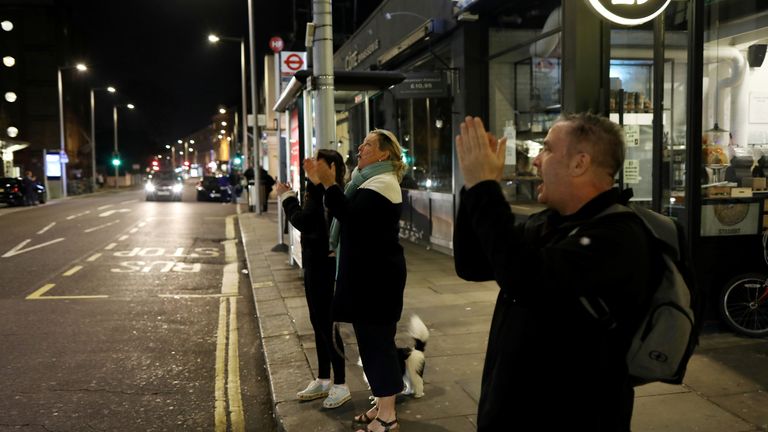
[244, 139]
[62, 148]
[322, 51]
[93, 142]
[117, 167]
[255, 106]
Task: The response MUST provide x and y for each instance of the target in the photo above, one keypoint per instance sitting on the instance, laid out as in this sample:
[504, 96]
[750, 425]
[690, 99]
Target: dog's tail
[419, 332]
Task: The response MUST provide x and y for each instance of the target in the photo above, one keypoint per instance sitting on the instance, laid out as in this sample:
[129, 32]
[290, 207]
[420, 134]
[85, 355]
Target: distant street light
[244, 116]
[116, 156]
[222, 111]
[93, 132]
[63, 148]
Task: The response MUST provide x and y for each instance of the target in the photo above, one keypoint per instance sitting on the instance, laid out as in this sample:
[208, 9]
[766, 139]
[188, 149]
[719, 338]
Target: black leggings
[318, 286]
[376, 343]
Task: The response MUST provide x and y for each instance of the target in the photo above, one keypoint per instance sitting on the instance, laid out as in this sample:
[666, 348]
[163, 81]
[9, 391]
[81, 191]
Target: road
[125, 315]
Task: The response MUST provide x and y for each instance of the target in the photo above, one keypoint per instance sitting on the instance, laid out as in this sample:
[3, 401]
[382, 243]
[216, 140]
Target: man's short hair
[598, 136]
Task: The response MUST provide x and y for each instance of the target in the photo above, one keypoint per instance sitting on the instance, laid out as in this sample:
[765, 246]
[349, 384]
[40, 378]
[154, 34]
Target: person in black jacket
[319, 264]
[551, 361]
[371, 265]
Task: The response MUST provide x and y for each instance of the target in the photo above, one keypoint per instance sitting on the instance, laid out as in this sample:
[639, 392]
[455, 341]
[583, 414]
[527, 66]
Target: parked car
[211, 188]
[12, 192]
[164, 185]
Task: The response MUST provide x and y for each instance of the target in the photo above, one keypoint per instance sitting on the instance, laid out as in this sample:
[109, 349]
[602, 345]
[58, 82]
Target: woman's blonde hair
[388, 142]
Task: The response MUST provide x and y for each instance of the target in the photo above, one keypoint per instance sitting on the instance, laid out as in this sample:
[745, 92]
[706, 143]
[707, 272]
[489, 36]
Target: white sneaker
[337, 396]
[315, 390]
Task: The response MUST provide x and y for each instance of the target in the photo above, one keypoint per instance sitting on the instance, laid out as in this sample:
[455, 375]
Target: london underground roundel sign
[629, 12]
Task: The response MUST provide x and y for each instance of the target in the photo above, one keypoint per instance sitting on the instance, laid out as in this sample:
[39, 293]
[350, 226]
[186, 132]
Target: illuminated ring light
[611, 16]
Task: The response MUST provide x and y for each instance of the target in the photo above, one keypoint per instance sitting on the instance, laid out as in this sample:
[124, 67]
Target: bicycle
[744, 301]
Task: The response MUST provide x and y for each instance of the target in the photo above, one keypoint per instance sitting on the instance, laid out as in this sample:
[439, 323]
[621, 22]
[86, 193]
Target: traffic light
[116, 161]
[238, 160]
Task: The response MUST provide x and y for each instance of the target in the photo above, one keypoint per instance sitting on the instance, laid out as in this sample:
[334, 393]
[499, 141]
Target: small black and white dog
[412, 361]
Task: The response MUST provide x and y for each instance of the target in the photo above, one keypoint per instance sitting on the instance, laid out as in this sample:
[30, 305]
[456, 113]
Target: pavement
[724, 389]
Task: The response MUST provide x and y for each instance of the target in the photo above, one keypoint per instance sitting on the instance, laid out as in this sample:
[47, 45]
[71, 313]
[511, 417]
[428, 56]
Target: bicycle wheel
[743, 305]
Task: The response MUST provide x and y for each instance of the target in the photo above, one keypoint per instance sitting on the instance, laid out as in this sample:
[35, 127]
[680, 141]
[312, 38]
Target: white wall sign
[632, 135]
[631, 171]
[628, 12]
[758, 107]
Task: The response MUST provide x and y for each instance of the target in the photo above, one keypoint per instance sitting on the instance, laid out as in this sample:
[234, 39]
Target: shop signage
[422, 85]
[628, 12]
[293, 62]
[356, 57]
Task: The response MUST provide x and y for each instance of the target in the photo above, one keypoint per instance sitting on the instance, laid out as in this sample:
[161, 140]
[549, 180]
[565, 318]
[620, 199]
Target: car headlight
[149, 187]
[177, 187]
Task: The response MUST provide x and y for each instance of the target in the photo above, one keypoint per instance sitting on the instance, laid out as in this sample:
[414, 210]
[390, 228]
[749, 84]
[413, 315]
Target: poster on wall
[758, 107]
[293, 139]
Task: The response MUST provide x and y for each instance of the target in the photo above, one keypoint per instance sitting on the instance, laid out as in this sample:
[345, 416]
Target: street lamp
[212, 38]
[93, 131]
[116, 158]
[62, 145]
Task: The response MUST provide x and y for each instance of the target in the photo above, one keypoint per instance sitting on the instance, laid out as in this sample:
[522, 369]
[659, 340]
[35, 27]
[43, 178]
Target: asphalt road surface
[118, 314]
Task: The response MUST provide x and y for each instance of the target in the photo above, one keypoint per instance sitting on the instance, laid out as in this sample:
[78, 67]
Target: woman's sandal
[362, 419]
[392, 426]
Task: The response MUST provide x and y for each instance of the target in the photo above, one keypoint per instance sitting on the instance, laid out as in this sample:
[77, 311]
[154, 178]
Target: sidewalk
[724, 390]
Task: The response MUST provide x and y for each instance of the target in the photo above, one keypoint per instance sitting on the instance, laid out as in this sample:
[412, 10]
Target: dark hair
[598, 136]
[333, 157]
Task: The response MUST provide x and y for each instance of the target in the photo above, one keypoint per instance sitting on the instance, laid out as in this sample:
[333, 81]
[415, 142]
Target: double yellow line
[227, 386]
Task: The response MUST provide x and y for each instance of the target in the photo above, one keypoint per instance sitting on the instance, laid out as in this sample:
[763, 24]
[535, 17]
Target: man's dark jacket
[550, 364]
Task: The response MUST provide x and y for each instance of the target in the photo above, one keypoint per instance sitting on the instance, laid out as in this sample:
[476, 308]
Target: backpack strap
[661, 227]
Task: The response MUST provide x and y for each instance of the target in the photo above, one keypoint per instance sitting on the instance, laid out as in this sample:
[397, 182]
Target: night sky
[157, 54]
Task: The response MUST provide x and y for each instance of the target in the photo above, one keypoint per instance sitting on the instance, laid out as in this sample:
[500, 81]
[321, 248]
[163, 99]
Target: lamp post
[116, 162]
[255, 104]
[63, 148]
[93, 132]
[244, 140]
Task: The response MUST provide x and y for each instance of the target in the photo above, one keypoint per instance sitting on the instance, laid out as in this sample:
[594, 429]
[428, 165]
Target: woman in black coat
[319, 264]
[371, 265]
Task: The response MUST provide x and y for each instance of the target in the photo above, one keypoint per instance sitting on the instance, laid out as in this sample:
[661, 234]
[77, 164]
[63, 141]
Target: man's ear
[580, 164]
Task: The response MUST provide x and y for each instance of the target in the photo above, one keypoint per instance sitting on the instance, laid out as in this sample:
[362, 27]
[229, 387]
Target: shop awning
[343, 81]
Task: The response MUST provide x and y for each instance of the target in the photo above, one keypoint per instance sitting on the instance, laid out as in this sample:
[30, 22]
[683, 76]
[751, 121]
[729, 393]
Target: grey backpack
[665, 341]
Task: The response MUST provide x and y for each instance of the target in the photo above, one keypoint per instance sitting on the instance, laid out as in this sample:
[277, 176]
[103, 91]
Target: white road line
[220, 398]
[104, 206]
[72, 271]
[49, 226]
[129, 201]
[45, 288]
[111, 212]
[236, 415]
[89, 230]
[133, 231]
[18, 249]
[94, 257]
[123, 238]
[142, 224]
[197, 295]
[110, 246]
[78, 215]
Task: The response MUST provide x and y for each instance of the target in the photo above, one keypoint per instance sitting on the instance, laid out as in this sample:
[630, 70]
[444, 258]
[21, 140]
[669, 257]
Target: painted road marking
[230, 251]
[47, 227]
[72, 271]
[142, 224]
[236, 415]
[198, 295]
[78, 215]
[129, 201]
[110, 246]
[89, 230]
[229, 279]
[104, 206]
[111, 212]
[38, 295]
[133, 231]
[220, 404]
[230, 227]
[18, 249]
[94, 257]
[123, 238]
